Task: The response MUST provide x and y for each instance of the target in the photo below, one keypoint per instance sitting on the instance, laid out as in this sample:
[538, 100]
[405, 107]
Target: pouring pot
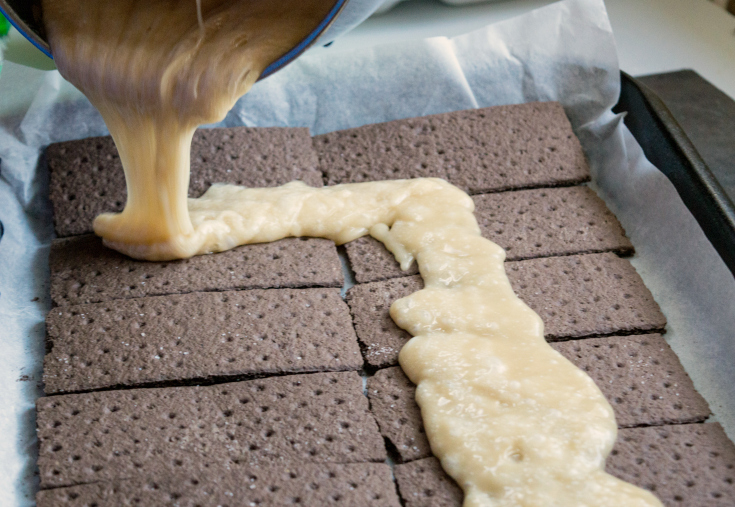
[25, 16]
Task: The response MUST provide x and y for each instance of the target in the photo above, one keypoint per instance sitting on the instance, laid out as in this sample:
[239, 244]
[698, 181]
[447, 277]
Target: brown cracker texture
[691, 465]
[478, 150]
[198, 336]
[87, 177]
[527, 224]
[586, 295]
[424, 483]
[392, 403]
[113, 435]
[370, 304]
[84, 271]
[641, 377]
[252, 157]
[576, 296]
[308, 484]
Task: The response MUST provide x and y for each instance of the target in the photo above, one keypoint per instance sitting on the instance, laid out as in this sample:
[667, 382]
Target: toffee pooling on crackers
[87, 177]
[640, 376]
[596, 294]
[543, 222]
[475, 150]
[692, 465]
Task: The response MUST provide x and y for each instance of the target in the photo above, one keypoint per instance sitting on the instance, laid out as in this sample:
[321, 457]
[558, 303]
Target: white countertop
[652, 35]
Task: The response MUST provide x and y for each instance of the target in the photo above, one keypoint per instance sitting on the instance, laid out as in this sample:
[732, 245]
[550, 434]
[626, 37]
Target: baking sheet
[563, 52]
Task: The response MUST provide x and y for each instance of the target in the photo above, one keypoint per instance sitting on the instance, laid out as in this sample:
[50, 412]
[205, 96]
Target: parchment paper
[563, 52]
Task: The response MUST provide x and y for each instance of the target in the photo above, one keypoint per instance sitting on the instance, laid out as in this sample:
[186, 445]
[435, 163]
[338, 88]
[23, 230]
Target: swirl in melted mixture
[512, 421]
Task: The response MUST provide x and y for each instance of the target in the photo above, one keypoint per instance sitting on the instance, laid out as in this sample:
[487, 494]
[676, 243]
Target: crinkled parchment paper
[563, 52]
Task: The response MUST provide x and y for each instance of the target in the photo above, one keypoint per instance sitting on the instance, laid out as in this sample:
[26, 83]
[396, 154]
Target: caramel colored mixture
[157, 69]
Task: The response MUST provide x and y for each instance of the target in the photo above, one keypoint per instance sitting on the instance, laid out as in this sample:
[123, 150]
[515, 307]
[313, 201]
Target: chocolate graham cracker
[640, 376]
[112, 435]
[392, 402]
[370, 304]
[87, 176]
[692, 465]
[478, 150]
[576, 296]
[198, 336]
[424, 483]
[252, 157]
[367, 484]
[527, 223]
[586, 295]
[84, 271]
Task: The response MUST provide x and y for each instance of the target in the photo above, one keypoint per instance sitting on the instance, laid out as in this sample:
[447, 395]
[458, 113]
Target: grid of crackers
[247, 378]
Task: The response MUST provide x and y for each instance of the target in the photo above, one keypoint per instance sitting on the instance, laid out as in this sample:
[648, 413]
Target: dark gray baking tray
[668, 148]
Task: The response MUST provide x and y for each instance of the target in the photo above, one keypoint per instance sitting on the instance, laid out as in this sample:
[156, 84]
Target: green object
[4, 29]
[4, 25]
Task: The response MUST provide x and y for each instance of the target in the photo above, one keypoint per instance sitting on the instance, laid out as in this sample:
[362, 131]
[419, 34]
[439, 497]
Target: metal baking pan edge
[669, 149]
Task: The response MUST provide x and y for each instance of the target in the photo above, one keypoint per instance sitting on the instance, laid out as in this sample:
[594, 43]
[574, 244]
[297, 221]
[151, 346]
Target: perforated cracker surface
[367, 484]
[527, 223]
[641, 377]
[370, 304]
[84, 271]
[580, 295]
[479, 150]
[586, 295]
[424, 483]
[198, 336]
[87, 177]
[111, 435]
[691, 465]
[252, 157]
[392, 402]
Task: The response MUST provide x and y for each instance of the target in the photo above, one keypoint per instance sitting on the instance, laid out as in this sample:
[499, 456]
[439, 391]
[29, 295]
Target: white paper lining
[563, 52]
